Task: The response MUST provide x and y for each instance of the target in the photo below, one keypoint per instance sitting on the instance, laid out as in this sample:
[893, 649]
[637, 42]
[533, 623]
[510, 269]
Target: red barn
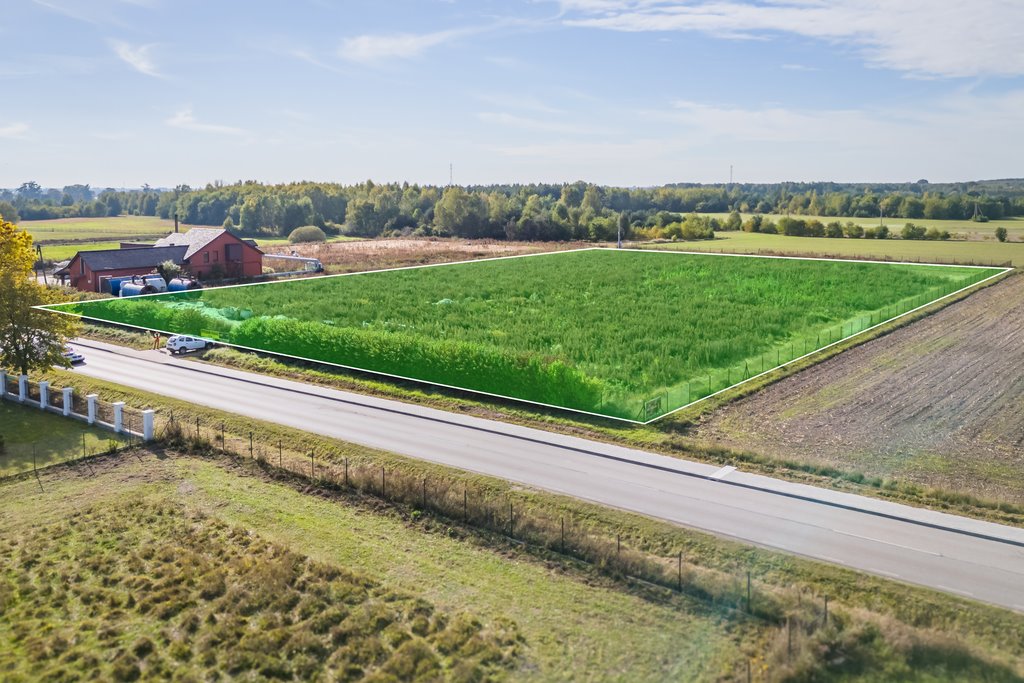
[215, 253]
[204, 253]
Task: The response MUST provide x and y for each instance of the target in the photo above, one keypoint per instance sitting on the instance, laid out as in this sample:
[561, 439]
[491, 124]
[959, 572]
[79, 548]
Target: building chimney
[175, 222]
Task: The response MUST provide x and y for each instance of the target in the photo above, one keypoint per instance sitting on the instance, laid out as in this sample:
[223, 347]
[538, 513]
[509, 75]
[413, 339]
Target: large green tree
[30, 339]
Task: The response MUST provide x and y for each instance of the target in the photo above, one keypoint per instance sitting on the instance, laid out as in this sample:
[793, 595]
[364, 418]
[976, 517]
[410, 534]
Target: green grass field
[596, 330]
[960, 229]
[97, 229]
[63, 252]
[51, 438]
[892, 249]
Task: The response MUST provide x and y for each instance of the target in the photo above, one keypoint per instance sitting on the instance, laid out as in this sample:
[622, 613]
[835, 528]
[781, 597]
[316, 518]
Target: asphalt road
[957, 555]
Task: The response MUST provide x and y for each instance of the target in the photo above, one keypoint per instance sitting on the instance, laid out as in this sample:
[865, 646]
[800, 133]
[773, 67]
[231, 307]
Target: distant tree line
[31, 202]
[812, 227]
[525, 212]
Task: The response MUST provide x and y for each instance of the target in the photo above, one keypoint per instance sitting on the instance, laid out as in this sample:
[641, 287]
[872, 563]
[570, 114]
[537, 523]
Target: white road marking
[879, 540]
[954, 590]
[893, 575]
[724, 472]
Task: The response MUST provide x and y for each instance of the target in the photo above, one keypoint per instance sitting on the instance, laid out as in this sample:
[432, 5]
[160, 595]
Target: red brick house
[214, 253]
[204, 253]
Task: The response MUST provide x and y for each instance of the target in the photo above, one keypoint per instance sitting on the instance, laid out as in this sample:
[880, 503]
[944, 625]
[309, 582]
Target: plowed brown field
[939, 403]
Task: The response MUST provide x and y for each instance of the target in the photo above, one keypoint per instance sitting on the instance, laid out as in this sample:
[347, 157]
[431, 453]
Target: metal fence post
[147, 424]
[91, 402]
[67, 391]
[44, 394]
[118, 416]
[22, 388]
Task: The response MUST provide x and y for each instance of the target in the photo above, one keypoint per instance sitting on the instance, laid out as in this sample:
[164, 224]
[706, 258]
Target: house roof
[195, 239]
[115, 259]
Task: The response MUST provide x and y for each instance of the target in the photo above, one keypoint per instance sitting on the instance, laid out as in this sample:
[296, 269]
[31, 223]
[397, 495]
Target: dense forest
[529, 212]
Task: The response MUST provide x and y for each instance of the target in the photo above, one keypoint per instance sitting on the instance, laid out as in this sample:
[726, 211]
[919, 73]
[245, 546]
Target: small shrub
[142, 648]
[1001, 235]
[125, 670]
[307, 233]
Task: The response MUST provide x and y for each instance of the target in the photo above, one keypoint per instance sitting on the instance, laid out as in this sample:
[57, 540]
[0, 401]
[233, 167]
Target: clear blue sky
[628, 92]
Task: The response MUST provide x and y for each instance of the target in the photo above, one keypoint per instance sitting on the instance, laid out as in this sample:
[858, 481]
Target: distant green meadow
[625, 334]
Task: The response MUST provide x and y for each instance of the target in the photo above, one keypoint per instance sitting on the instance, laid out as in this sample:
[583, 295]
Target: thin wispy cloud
[309, 57]
[186, 120]
[539, 125]
[14, 131]
[921, 37]
[136, 56]
[95, 12]
[367, 49]
[799, 67]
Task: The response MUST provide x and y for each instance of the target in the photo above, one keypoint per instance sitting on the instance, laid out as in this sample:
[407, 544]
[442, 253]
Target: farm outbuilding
[204, 253]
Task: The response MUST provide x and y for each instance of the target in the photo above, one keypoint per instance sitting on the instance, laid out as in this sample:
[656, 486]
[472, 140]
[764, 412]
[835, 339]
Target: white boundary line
[1003, 271]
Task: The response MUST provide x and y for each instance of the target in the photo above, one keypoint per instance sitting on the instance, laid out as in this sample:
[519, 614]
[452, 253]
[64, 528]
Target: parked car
[181, 343]
[74, 357]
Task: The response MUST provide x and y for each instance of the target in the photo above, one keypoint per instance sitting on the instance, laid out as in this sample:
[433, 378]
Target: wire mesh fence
[56, 399]
[716, 380]
[455, 498]
[39, 438]
[483, 507]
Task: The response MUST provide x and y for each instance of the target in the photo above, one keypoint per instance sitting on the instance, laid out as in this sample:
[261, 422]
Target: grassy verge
[302, 587]
[31, 438]
[124, 590]
[964, 252]
[668, 436]
[880, 624]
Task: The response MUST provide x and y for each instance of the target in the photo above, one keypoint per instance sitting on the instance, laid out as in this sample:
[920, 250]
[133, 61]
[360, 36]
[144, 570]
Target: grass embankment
[964, 252]
[878, 630]
[30, 437]
[685, 325]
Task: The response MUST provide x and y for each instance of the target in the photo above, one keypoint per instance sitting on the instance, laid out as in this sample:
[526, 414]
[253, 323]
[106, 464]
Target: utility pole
[730, 174]
[42, 266]
[451, 174]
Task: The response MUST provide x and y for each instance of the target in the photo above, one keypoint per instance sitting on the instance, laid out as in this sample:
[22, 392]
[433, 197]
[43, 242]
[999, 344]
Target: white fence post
[67, 400]
[147, 425]
[118, 416]
[3, 384]
[44, 394]
[22, 388]
[91, 398]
